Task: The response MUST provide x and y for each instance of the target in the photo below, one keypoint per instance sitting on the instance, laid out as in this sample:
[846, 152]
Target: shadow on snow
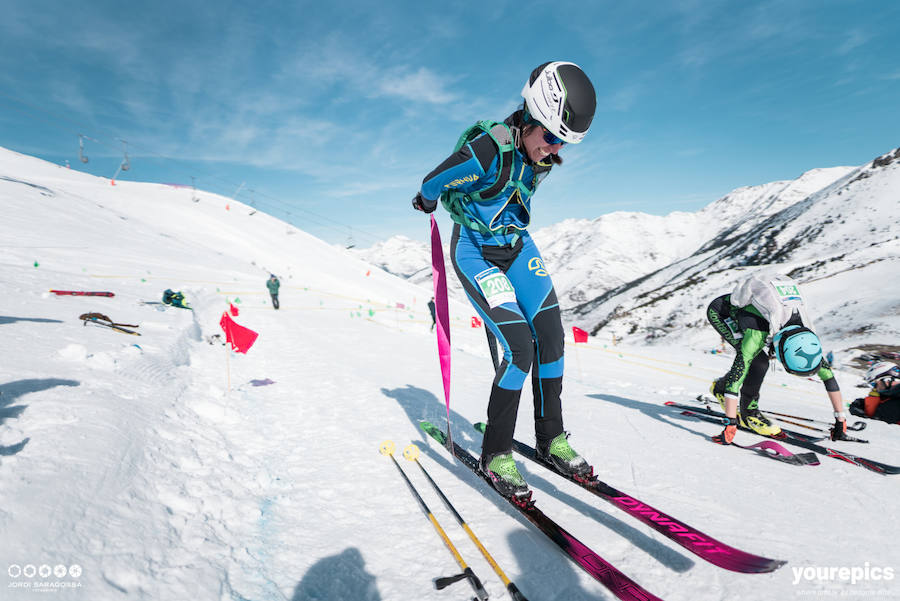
[11, 391]
[7, 319]
[341, 576]
[666, 415]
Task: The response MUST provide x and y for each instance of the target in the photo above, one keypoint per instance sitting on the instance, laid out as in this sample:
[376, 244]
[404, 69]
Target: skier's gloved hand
[839, 429]
[727, 435]
[420, 203]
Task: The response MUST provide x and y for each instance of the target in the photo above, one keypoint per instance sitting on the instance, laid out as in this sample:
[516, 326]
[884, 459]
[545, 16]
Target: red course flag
[476, 323]
[241, 338]
[233, 309]
[580, 335]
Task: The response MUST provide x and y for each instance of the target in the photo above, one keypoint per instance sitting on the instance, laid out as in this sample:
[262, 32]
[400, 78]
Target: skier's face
[536, 147]
[885, 383]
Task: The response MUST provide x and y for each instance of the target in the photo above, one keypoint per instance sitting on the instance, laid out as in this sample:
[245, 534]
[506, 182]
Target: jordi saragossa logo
[43, 578]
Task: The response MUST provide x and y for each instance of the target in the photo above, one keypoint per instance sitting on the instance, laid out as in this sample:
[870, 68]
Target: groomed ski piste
[165, 467]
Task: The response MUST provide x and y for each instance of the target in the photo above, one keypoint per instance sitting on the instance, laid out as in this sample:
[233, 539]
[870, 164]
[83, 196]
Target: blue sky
[328, 114]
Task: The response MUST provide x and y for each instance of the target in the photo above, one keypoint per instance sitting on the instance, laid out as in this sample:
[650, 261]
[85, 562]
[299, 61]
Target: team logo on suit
[537, 266]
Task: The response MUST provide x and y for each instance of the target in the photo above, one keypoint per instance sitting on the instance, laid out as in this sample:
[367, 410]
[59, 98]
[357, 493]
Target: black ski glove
[420, 203]
[839, 429]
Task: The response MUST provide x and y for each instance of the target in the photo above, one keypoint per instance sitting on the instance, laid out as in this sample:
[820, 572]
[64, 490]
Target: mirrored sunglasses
[551, 138]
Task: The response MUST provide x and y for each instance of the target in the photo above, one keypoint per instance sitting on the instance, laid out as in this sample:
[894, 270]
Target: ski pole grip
[445, 581]
[480, 593]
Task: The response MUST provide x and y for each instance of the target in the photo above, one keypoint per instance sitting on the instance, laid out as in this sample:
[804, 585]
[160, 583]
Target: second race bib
[495, 287]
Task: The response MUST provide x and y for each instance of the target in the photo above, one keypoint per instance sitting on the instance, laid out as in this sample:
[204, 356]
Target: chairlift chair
[81, 154]
[126, 165]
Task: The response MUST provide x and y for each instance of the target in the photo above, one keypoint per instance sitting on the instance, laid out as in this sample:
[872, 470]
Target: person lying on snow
[883, 401]
[176, 299]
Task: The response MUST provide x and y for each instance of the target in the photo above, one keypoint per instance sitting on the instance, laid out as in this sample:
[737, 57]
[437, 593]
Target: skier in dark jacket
[431, 307]
[487, 185]
[767, 311]
[273, 284]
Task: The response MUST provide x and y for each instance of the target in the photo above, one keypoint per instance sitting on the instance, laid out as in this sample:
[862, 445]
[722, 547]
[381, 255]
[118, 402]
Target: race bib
[733, 326]
[787, 292]
[495, 287]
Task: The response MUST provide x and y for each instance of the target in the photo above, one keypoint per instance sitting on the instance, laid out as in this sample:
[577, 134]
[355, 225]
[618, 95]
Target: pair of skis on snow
[695, 541]
[799, 439]
[102, 320]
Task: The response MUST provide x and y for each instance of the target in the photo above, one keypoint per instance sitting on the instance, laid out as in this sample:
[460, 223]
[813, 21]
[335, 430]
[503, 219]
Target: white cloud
[855, 39]
[422, 85]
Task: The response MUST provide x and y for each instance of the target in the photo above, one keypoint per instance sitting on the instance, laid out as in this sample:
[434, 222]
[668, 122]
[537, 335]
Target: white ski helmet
[562, 98]
[881, 370]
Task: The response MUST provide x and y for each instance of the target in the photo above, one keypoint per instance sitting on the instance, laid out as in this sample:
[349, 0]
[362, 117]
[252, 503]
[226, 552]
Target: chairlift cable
[275, 203]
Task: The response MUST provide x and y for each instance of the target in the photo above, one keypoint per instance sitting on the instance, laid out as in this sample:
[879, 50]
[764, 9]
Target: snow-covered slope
[588, 257]
[841, 242]
[164, 467]
[634, 274]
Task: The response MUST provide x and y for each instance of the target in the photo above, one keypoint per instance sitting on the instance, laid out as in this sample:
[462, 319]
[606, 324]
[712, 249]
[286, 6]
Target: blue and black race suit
[528, 325]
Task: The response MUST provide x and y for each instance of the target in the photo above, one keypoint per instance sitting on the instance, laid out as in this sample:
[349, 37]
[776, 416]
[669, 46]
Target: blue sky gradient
[330, 114]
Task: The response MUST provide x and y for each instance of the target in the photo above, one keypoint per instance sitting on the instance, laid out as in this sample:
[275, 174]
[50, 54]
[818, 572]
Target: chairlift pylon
[81, 154]
[350, 242]
[126, 165]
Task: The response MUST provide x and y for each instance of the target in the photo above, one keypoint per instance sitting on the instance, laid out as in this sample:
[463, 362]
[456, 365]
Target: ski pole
[412, 453]
[857, 425]
[387, 448]
[790, 421]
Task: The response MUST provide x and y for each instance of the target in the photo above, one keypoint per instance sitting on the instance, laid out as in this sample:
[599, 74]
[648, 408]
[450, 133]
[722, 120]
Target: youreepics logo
[853, 575]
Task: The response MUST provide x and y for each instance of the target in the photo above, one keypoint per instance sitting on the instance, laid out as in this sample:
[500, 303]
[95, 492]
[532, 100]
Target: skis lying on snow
[102, 320]
[768, 448]
[783, 435]
[80, 293]
[621, 585]
[707, 403]
[795, 439]
[702, 545]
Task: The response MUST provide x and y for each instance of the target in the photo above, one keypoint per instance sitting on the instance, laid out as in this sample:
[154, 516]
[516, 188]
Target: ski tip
[433, 431]
[480, 427]
[808, 458]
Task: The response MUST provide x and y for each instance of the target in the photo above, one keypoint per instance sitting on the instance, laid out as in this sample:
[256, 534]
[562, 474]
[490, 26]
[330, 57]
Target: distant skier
[883, 401]
[273, 284]
[767, 312]
[487, 185]
[433, 316]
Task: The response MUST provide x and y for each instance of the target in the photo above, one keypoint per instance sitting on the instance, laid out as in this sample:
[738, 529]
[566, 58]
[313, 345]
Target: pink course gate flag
[442, 314]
